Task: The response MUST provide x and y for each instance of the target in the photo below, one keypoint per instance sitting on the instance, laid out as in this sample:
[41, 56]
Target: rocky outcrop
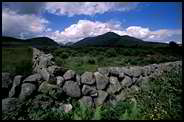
[6, 84]
[27, 89]
[91, 88]
[72, 89]
[9, 104]
[16, 86]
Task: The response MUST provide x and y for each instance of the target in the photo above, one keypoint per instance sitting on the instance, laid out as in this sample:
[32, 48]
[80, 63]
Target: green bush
[91, 61]
[64, 55]
[24, 67]
[111, 52]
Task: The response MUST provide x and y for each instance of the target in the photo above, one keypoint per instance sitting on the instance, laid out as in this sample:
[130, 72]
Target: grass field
[88, 59]
[17, 60]
[162, 100]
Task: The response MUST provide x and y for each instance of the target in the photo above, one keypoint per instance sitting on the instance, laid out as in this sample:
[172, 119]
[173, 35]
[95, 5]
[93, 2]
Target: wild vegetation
[89, 58]
[161, 99]
[17, 60]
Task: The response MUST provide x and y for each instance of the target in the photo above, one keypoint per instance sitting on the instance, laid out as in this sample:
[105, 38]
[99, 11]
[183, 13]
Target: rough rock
[87, 78]
[35, 78]
[72, 89]
[41, 60]
[27, 90]
[146, 70]
[69, 75]
[102, 95]
[136, 71]
[6, 84]
[115, 71]
[9, 104]
[45, 74]
[101, 81]
[46, 60]
[121, 75]
[104, 71]
[67, 108]
[88, 90]
[134, 79]
[126, 82]
[123, 95]
[78, 79]
[56, 70]
[16, 86]
[127, 72]
[114, 86]
[51, 90]
[60, 81]
[87, 101]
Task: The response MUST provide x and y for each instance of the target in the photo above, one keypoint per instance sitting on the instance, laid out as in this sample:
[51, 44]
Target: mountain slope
[35, 42]
[101, 40]
[111, 39]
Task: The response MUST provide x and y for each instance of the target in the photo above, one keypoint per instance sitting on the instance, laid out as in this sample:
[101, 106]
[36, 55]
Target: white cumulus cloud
[87, 28]
[88, 8]
[84, 28]
[17, 25]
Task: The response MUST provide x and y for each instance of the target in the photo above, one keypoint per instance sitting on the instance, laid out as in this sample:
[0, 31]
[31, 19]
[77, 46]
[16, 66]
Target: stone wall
[108, 84]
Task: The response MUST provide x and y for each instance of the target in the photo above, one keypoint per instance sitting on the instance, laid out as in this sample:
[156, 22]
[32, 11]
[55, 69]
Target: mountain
[69, 43]
[101, 40]
[111, 39]
[35, 42]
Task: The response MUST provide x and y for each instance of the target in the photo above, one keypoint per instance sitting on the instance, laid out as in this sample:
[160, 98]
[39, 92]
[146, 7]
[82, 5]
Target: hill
[111, 39]
[35, 42]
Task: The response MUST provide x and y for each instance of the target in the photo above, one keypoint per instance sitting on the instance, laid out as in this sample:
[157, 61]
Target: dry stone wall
[108, 84]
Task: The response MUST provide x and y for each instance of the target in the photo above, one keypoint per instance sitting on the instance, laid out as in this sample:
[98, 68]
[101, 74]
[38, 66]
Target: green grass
[161, 100]
[88, 59]
[17, 60]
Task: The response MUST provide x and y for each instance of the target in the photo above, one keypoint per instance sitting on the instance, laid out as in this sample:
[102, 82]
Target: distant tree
[173, 44]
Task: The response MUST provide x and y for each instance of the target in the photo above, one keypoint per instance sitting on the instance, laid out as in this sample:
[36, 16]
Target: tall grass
[17, 60]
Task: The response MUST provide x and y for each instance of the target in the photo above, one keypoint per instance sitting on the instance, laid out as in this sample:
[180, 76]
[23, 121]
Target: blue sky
[70, 22]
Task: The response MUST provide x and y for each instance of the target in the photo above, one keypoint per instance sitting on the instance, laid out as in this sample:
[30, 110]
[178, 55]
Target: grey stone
[146, 70]
[72, 89]
[45, 74]
[115, 71]
[67, 108]
[103, 70]
[86, 101]
[60, 81]
[102, 95]
[35, 78]
[51, 69]
[121, 75]
[126, 82]
[114, 86]
[15, 87]
[123, 95]
[41, 60]
[127, 72]
[9, 104]
[6, 80]
[27, 90]
[136, 71]
[101, 81]
[51, 90]
[87, 78]
[134, 79]
[88, 90]
[78, 79]
[69, 75]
